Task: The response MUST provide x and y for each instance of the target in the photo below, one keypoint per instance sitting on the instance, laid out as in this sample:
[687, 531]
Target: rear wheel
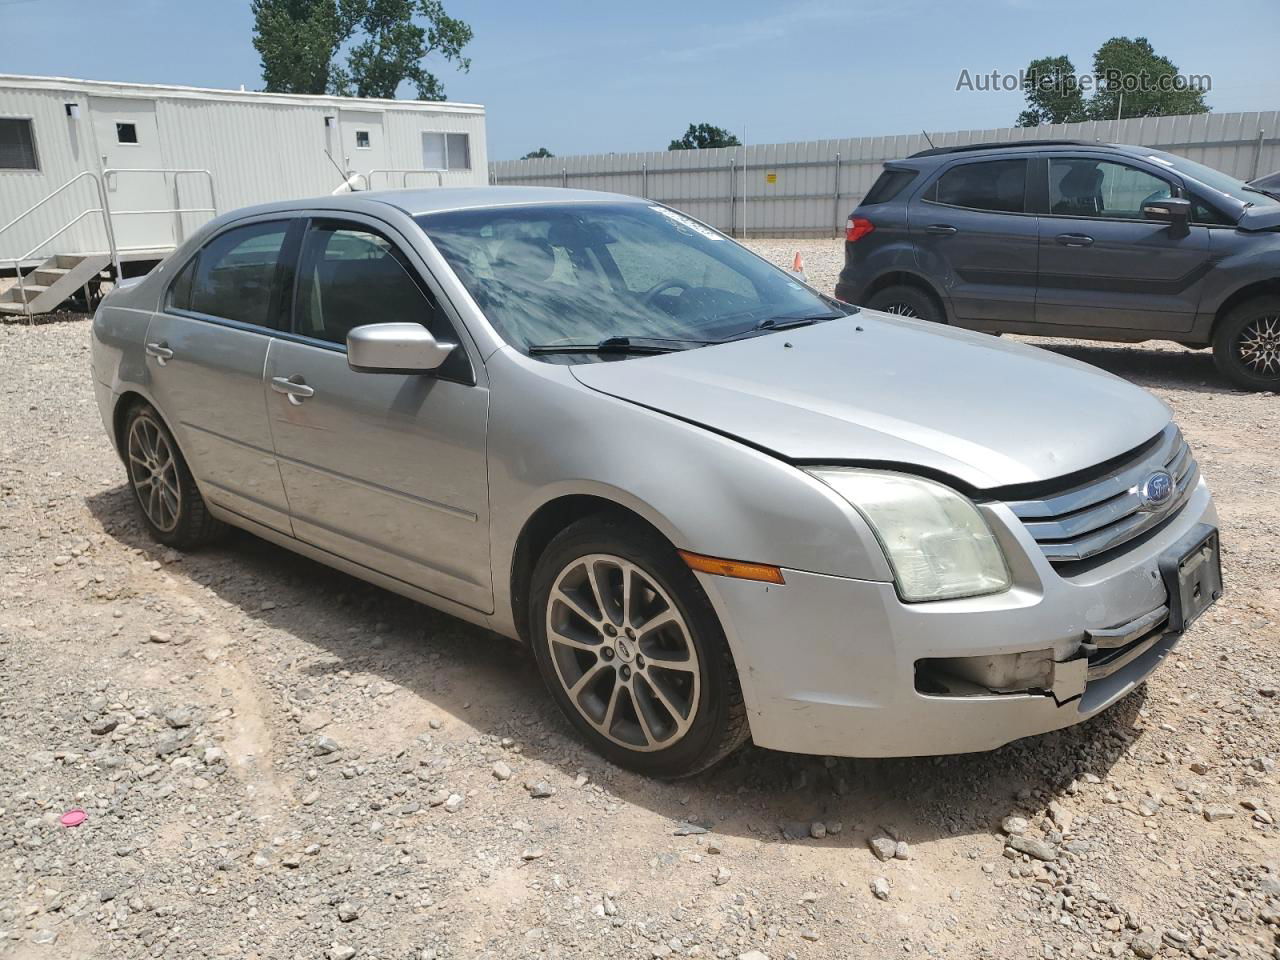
[907, 301]
[166, 493]
[632, 651]
[1246, 344]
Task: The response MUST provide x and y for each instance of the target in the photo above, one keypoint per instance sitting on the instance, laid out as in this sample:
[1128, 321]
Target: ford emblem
[1156, 491]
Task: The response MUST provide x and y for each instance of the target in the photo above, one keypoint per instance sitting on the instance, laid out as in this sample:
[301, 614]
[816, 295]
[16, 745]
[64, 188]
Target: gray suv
[1075, 239]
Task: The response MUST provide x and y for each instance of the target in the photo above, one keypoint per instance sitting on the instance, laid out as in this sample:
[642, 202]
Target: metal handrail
[40, 203]
[177, 172]
[404, 176]
[17, 262]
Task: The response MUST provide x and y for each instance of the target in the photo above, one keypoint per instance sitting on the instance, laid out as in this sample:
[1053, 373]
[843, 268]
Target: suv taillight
[857, 228]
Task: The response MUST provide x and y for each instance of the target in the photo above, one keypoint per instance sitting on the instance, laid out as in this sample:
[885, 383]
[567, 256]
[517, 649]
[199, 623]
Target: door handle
[943, 229]
[160, 351]
[1075, 239]
[295, 388]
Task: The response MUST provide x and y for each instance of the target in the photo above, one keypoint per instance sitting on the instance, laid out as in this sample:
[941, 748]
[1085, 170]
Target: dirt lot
[279, 761]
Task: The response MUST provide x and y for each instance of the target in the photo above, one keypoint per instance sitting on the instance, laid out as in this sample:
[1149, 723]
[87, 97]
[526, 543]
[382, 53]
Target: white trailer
[97, 175]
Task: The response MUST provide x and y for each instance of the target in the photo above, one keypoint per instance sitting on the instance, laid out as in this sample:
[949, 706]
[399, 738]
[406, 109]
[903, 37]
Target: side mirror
[1175, 210]
[395, 348]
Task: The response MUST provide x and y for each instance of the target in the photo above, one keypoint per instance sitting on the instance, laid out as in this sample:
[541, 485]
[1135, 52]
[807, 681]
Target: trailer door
[129, 139]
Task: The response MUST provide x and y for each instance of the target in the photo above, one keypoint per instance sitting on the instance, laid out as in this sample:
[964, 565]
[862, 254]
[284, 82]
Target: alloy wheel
[623, 653]
[154, 472]
[1258, 346]
[901, 310]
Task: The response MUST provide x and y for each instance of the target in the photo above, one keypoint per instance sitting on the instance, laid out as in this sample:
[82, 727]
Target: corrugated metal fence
[808, 189]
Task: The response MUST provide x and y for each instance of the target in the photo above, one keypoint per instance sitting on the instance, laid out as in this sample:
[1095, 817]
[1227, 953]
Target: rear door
[1101, 264]
[384, 469]
[206, 350]
[973, 233]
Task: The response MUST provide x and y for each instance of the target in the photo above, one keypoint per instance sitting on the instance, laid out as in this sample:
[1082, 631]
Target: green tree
[537, 154]
[700, 136]
[386, 42]
[1135, 81]
[1053, 93]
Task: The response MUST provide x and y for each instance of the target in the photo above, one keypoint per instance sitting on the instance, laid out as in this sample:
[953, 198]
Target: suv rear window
[999, 185]
[888, 185]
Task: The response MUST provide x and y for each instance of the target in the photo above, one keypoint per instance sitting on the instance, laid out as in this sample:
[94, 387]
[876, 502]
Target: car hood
[872, 388]
[1260, 218]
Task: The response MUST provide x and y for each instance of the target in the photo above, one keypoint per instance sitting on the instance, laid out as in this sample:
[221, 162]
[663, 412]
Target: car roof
[1025, 146]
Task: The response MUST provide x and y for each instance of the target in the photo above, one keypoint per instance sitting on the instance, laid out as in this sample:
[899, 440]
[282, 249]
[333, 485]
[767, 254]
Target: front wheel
[632, 651]
[1246, 345]
[907, 302]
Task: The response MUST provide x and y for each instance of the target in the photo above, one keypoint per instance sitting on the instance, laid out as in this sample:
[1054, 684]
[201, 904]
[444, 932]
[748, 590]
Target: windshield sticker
[680, 220]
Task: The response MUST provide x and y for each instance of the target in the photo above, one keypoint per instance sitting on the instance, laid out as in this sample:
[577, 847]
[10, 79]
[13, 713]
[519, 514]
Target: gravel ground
[276, 760]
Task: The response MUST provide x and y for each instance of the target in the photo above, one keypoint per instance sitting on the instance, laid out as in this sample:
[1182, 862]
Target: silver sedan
[717, 504]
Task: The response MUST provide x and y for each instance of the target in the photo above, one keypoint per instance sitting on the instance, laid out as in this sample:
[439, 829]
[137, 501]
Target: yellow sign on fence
[770, 178]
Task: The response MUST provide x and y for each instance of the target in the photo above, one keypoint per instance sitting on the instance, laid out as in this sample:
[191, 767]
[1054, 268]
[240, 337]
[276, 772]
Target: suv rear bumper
[833, 662]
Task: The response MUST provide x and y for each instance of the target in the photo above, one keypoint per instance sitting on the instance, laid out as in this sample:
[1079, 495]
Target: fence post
[564, 176]
[733, 198]
[835, 198]
[1257, 156]
[644, 179]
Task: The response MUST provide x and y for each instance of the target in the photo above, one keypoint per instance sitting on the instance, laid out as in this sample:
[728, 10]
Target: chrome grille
[1101, 514]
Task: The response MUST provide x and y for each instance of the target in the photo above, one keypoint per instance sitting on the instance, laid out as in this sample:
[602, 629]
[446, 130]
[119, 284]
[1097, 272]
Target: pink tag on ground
[73, 818]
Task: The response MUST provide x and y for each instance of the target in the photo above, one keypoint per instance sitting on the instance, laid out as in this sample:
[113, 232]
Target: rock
[454, 803]
[347, 911]
[103, 725]
[533, 853]
[172, 741]
[180, 717]
[1014, 825]
[1146, 945]
[1199, 767]
[501, 771]
[753, 955]
[45, 937]
[159, 636]
[688, 830]
[1218, 811]
[340, 951]
[313, 722]
[817, 830]
[901, 851]
[322, 746]
[722, 876]
[880, 888]
[883, 847]
[1033, 847]
[539, 790]
[1149, 806]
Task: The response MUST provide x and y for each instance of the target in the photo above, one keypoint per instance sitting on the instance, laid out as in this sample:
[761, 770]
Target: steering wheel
[662, 286]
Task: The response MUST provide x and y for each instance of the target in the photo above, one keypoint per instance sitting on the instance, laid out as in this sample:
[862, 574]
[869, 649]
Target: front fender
[550, 436]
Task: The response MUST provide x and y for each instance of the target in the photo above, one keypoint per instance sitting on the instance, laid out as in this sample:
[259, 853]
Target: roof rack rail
[1005, 145]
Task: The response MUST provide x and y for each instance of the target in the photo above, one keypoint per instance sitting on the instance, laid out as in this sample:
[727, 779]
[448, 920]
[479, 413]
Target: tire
[1246, 344]
[600, 654]
[164, 490]
[907, 302]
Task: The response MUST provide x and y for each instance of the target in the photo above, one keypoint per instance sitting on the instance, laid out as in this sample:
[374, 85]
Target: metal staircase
[46, 287]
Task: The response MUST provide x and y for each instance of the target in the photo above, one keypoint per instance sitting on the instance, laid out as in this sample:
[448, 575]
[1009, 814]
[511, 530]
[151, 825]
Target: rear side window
[999, 185]
[236, 274]
[888, 185]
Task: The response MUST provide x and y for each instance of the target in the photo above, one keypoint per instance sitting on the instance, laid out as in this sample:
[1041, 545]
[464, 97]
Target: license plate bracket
[1192, 573]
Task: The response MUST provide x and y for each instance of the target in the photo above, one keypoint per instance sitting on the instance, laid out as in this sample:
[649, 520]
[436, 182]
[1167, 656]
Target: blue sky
[581, 77]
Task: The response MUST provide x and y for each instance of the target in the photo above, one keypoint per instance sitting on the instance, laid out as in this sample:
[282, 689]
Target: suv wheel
[171, 506]
[906, 302]
[632, 651]
[1246, 345]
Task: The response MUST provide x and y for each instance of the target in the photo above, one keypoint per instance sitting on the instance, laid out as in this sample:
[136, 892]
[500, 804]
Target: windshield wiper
[783, 323]
[620, 345]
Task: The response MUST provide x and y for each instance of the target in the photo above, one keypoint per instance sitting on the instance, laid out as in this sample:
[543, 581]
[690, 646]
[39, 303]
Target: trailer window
[446, 151]
[17, 144]
[126, 133]
[362, 139]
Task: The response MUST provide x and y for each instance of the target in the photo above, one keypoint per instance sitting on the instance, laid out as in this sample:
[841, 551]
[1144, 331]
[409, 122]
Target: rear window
[999, 185]
[888, 185]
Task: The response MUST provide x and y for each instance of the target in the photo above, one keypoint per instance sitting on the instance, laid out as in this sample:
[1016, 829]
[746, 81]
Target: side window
[1084, 187]
[999, 185]
[1203, 213]
[180, 290]
[236, 274]
[350, 276]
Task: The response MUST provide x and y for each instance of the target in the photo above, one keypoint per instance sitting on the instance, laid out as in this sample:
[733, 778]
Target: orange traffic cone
[797, 267]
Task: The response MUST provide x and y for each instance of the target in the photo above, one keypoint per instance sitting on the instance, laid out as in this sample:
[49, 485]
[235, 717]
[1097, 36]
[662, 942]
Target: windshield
[1214, 179]
[582, 273]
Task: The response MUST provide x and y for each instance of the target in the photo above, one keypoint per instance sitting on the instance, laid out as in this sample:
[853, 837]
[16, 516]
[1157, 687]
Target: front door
[363, 147]
[1103, 265]
[971, 229]
[128, 138]
[206, 350]
[384, 469]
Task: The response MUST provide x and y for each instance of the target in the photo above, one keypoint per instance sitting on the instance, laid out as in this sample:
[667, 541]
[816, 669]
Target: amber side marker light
[738, 569]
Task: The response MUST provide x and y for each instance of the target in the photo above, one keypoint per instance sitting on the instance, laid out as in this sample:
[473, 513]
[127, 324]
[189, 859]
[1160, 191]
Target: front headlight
[937, 542]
